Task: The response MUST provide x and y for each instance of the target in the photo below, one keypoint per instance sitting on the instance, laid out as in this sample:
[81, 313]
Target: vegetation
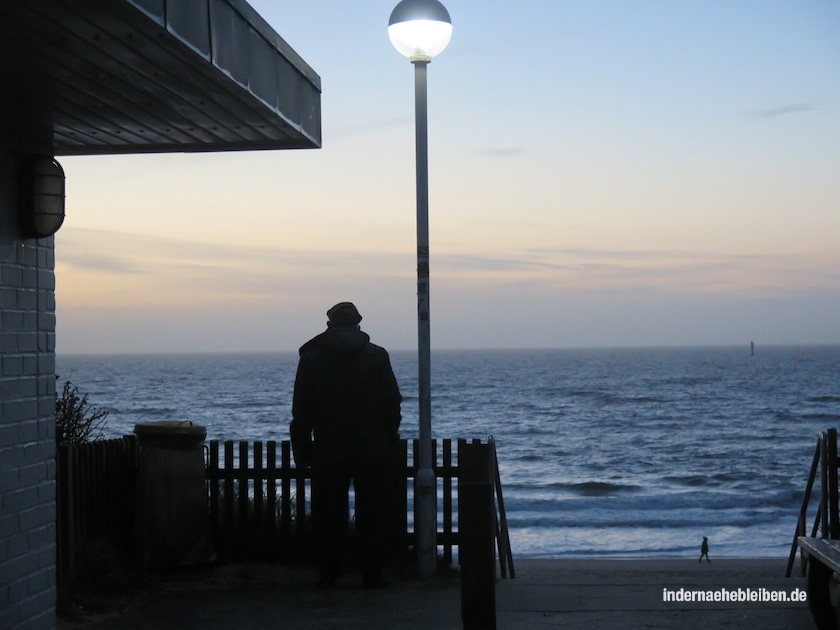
[76, 421]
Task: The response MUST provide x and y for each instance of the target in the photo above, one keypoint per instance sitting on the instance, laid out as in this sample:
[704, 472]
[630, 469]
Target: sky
[603, 173]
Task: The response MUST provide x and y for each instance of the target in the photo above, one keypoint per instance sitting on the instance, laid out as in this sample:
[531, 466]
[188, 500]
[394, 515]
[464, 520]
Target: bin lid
[170, 433]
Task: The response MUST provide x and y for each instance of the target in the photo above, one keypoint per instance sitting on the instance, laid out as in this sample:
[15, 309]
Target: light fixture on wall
[41, 197]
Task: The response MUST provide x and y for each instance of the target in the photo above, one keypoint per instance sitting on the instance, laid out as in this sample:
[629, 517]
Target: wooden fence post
[476, 525]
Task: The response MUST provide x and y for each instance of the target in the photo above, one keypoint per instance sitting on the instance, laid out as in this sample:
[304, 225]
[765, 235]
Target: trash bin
[173, 525]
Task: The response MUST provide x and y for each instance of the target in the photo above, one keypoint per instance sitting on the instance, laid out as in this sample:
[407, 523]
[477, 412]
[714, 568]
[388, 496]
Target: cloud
[775, 112]
[581, 258]
[115, 269]
[675, 271]
[100, 261]
[120, 252]
[503, 152]
[581, 253]
[127, 292]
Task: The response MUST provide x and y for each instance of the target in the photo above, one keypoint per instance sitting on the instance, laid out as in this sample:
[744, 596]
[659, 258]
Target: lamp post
[420, 29]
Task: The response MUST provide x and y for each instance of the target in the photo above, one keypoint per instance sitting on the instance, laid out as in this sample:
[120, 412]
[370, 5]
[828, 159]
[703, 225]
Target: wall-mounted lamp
[41, 197]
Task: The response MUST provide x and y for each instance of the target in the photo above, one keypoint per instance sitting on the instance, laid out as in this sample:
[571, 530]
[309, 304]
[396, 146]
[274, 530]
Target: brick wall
[27, 419]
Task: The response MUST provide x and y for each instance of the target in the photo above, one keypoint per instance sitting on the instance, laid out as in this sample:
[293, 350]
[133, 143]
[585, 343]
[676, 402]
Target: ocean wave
[692, 480]
[826, 418]
[597, 488]
[717, 479]
[606, 518]
[583, 488]
[635, 500]
[646, 521]
[154, 411]
[645, 400]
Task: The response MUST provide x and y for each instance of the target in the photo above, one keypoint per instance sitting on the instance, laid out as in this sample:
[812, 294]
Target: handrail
[803, 511]
[831, 526]
[827, 520]
[502, 533]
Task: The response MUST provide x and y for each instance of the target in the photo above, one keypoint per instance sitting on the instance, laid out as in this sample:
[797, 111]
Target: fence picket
[228, 485]
[259, 478]
[270, 517]
[286, 488]
[446, 476]
[213, 489]
[242, 499]
[300, 501]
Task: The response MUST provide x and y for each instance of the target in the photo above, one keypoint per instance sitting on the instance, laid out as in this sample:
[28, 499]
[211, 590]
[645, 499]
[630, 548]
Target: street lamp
[421, 29]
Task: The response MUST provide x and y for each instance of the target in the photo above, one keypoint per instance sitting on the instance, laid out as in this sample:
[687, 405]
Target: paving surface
[563, 593]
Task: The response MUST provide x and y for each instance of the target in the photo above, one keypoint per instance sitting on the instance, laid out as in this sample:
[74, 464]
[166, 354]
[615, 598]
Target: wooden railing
[258, 500]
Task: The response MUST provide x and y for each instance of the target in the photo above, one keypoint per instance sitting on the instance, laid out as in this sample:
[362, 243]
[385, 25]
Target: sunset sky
[602, 173]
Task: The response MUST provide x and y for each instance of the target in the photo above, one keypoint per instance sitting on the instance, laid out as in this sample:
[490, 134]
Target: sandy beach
[554, 593]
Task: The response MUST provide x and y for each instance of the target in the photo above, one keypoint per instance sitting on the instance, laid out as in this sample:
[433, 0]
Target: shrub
[77, 422]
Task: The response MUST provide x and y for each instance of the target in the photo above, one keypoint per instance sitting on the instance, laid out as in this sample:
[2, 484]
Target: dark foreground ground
[564, 593]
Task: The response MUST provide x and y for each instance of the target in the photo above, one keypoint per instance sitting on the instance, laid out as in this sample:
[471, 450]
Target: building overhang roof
[95, 77]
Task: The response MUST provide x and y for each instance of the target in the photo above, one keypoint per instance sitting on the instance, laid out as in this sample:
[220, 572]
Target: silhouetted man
[346, 414]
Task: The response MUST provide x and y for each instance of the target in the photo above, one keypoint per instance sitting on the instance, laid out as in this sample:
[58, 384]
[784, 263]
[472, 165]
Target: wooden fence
[258, 500]
[95, 494]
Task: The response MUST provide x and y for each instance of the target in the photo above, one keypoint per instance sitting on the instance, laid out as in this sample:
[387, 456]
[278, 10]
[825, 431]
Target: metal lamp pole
[420, 29]
[425, 485]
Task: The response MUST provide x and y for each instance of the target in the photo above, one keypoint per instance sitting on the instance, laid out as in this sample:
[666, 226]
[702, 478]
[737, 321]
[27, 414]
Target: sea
[631, 452]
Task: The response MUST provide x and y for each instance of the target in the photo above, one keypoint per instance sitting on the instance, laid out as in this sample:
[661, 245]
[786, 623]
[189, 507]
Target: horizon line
[709, 346]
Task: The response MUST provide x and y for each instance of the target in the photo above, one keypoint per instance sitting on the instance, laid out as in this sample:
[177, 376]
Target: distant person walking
[345, 422]
[704, 550]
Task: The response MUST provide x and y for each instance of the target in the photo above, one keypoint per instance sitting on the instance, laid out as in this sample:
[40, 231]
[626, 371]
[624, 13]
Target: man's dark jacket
[345, 395]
